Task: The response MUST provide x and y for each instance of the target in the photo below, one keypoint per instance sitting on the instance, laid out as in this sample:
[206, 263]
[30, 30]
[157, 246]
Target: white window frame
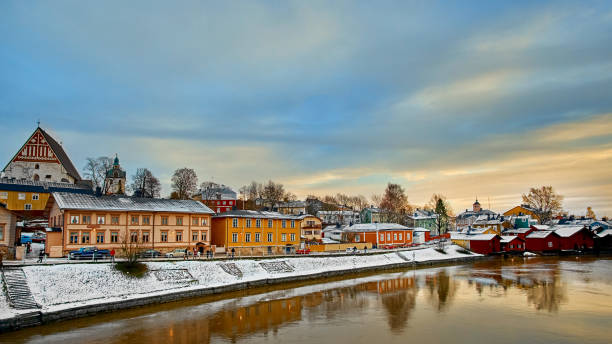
[73, 217]
[270, 223]
[234, 237]
[270, 237]
[3, 195]
[103, 218]
[284, 237]
[248, 223]
[21, 196]
[35, 197]
[235, 223]
[292, 236]
[27, 206]
[258, 223]
[247, 237]
[257, 237]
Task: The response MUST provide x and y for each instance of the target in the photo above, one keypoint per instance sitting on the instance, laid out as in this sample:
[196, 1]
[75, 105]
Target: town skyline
[485, 101]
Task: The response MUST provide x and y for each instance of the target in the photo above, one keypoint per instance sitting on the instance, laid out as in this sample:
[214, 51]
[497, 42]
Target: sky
[469, 99]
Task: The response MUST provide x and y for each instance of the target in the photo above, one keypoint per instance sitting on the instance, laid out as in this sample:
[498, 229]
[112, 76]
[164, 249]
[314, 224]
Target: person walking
[185, 256]
[41, 255]
[365, 249]
[112, 254]
[233, 252]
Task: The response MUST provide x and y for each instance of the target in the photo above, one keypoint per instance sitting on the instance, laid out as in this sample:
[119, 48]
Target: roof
[469, 213]
[257, 214]
[373, 227]
[478, 237]
[420, 229]
[541, 227]
[23, 185]
[539, 234]
[566, 231]
[293, 204]
[334, 228]
[508, 238]
[604, 233]
[123, 203]
[518, 230]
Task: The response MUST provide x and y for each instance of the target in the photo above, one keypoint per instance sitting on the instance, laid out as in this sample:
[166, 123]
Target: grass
[135, 270]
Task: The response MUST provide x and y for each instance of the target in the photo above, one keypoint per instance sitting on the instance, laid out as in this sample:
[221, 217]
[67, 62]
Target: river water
[516, 300]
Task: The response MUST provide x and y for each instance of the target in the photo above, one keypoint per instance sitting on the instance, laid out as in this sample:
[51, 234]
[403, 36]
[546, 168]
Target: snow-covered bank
[66, 286]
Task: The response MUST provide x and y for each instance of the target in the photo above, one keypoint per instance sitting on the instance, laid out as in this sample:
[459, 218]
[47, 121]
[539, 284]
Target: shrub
[136, 269]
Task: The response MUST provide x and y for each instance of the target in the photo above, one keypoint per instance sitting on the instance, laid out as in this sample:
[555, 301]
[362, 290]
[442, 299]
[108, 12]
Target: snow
[63, 286]
[566, 231]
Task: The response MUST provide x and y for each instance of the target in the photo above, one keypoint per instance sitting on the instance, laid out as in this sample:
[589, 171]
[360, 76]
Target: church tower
[476, 206]
[114, 183]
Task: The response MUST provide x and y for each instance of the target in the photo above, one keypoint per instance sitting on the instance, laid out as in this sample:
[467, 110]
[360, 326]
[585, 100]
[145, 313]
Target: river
[514, 300]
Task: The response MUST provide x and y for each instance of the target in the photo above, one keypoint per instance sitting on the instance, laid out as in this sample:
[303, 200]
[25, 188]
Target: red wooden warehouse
[542, 241]
[574, 237]
[512, 243]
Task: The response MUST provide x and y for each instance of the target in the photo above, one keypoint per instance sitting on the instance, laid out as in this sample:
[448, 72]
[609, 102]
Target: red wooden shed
[542, 241]
[512, 243]
[574, 237]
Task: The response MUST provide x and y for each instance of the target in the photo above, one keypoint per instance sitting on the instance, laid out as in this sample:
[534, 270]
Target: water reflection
[400, 299]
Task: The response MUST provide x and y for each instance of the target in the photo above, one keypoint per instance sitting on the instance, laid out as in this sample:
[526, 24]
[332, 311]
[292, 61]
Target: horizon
[486, 101]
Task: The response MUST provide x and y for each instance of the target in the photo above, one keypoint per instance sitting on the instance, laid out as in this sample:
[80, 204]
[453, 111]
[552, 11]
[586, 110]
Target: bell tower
[114, 183]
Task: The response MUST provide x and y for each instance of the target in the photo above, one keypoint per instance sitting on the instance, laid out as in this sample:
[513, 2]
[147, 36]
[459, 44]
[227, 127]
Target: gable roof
[540, 234]
[567, 231]
[373, 227]
[256, 214]
[477, 237]
[57, 149]
[507, 238]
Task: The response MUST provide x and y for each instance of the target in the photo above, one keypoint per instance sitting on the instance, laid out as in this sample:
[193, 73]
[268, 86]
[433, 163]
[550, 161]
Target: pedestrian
[1, 262]
[354, 249]
[233, 252]
[365, 249]
[112, 254]
[195, 252]
[41, 255]
[185, 256]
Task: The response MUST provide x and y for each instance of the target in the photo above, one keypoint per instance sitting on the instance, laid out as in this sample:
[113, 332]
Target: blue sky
[481, 98]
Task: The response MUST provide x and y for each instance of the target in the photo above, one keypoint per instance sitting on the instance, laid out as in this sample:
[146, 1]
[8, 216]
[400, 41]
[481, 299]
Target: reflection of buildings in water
[442, 289]
[398, 298]
[548, 295]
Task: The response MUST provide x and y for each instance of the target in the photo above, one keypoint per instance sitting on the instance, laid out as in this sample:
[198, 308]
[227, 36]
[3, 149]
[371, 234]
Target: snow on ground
[63, 286]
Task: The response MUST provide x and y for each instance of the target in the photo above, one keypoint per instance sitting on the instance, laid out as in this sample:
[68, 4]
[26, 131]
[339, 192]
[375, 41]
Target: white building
[343, 217]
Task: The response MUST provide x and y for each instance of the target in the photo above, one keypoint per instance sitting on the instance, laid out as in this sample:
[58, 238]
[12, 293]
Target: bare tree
[130, 247]
[184, 182]
[95, 170]
[209, 190]
[376, 200]
[590, 214]
[273, 193]
[145, 184]
[545, 202]
[394, 204]
[289, 197]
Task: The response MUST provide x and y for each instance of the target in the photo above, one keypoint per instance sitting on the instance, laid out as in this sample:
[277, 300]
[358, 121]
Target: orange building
[78, 220]
[378, 234]
[521, 210]
[250, 232]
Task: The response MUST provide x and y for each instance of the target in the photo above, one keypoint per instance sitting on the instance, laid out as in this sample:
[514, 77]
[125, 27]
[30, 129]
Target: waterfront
[567, 300]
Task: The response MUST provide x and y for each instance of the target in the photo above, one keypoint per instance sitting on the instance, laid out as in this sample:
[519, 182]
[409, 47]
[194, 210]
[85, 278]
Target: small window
[99, 238]
[134, 220]
[27, 206]
[258, 223]
[85, 238]
[394, 236]
[48, 176]
[204, 236]
[179, 220]
[164, 220]
[101, 220]
[224, 203]
[382, 237]
[146, 220]
[357, 238]
[269, 223]
[134, 237]
[74, 237]
[194, 236]
[1, 233]
[283, 237]
[21, 196]
[248, 223]
[270, 237]
[400, 236]
[247, 237]
[550, 244]
[74, 219]
[257, 237]
[164, 236]
[235, 223]
[179, 236]
[204, 221]
[36, 166]
[284, 225]
[195, 221]
[292, 223]
[292, 236]
[86, 219]
[388, 236]
[4, 195]
[114, 237]
[145, 236]
[234, 237]
[35, 197]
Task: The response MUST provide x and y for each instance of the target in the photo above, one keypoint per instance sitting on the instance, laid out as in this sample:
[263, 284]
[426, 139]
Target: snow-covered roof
[604, 233]
[566, 231]
[257, 214]
[507, 238]
[329, 241]
[332, 228]
[123, 203]
[373, 227]
[477, 237]
[539, 234]
[517, 230]
[420, 229]
[541, 227]
[293, 204]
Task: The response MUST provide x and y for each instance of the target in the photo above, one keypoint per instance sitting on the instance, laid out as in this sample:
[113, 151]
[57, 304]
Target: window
[270, 237]
[292, 236]
[164, 220]
[194, 236]
[257, 237]
[258, 223]
[134, 237]
[248, 223]
[74, 237]
[382, 237]
[269, 223]
[179, 220]
[394, 236]
[48, 176]
[146, 220]
[21, 197]
[35, 197]
[85, 238]
[224, 203]
[283, 237]
[400, 236]
[292, 223]
[204, 221]
[388, 236]
[115, 220]
[1, 232]
[204, 236]
[164, 236]
[100, 238]
[4, 195]
[284, 225]
[101, 220]
[357, 238]
[511, 246]
[550, 244]
[145, 236]
[235, 223]
[234, 237]
[86, 219]
[114, 237]
[27, 206]
[179, 236]
[247, 237]
[195, 221]
[74, 219]
[134, 220]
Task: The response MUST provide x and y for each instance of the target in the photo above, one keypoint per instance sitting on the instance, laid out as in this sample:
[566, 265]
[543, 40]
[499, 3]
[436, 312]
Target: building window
[284, 225]
[115, 220]
[257, 237]
[35, 197]
[179, 236]
[134, 220]
[27, 206]
[388, 236]
[101, 220]
[394, 236]
[247, 237]
[204, 236]
[204, 221]
[3, 195]
[99, 238]
[48, 176]
[235, 223]
[550, 244]
[85, 238]
[400, 236]
[292, 236]
[194, 236]
[74, 219]
[270, 237]
[248, 223]
[283, 237]
[357, 238]
[382, 237]
[86, 219]
[145, 236]
[164, 236]
[1, 233]
[224, 203]
[234, 237]
[292, 223]
[269, 223]
[74, 237]
[146, 220]
[258, 223]
[36, 167]
[114, 237]
[511, 246]
[21, 197]
[164, 220]
[179, 220]
[134, 237]
[195, 221]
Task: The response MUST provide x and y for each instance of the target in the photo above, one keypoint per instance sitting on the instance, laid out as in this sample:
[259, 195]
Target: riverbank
[66, 291]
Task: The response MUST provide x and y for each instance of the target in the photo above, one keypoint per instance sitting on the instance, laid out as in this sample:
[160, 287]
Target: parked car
[150, 254]
[89, 252]
[39, 237]
[303, 251]
[178, 253]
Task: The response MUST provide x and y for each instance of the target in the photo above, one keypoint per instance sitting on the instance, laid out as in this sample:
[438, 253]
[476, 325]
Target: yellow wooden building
[521, 210]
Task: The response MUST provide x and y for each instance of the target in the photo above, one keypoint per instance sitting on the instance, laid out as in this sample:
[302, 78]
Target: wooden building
[311, 227]
[480, 243]
[378, 234]
[78, 220]
[250, 232]
[8, 223]
[512, 243]
[574, 237]
[542, 241]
